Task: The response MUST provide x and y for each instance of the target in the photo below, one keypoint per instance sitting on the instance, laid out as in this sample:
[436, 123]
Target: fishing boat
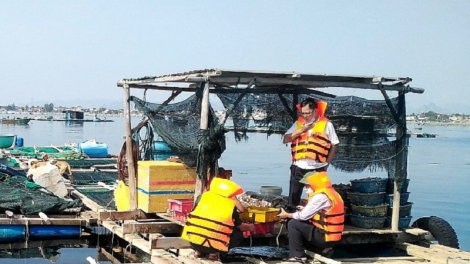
[7, 140]
[15, 121]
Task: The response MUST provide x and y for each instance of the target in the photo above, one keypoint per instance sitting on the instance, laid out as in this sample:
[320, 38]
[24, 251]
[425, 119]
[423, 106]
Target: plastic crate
[261, 229]
[180, 208]
[261, 214]
[180, 205]
[179, 216]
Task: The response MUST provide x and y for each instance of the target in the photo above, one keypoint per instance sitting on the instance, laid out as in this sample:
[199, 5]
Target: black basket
[342, 190]
[403, 222]
[404, 187]
[367, 222]
[375, 211]
[368, 199]
[405, 210]
[369, 185]
[403, 198]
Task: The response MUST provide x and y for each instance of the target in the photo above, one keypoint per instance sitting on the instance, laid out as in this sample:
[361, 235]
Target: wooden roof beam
[276, 82]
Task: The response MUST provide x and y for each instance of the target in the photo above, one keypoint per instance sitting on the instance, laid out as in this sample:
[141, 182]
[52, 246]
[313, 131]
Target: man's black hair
[311, 102]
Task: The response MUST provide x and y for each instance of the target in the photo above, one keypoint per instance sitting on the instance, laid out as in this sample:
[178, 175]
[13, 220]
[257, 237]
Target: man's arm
[331, 153]
[289, 137]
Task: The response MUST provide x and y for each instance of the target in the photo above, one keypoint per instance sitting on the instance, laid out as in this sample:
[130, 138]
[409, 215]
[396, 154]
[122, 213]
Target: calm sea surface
[439, 168]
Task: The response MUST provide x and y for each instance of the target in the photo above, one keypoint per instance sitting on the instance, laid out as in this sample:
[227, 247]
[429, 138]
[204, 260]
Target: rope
[122, 161]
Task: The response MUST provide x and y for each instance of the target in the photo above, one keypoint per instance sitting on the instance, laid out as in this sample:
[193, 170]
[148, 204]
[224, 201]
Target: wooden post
[201, 183]
[129, 153]
[401, 158]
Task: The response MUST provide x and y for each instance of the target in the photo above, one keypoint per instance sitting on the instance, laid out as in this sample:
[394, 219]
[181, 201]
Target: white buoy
[44, 217]
[91, 260]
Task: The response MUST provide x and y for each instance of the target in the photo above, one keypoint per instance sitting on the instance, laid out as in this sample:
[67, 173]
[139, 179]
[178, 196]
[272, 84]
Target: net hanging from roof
[356, 120]
[179, 124]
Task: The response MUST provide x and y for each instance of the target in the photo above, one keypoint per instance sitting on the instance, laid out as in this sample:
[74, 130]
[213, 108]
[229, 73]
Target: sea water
[438, 168]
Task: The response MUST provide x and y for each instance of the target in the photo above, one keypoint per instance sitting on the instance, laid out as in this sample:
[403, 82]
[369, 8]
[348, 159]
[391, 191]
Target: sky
[73, 52]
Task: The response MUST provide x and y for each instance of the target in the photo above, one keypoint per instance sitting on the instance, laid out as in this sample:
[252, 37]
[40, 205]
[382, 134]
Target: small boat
[426, 135]
[15, 121]
[7, 140]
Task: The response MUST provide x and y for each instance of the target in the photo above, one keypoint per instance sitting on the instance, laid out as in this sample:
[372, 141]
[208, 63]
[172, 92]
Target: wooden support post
[401, 151]
[201, 183]
[129, 154]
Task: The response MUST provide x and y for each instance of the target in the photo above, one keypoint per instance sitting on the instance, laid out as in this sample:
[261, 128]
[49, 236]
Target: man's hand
[283, 214]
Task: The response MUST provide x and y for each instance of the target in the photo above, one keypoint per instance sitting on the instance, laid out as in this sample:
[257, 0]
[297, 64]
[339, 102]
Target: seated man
[214, 226]
[320, 222]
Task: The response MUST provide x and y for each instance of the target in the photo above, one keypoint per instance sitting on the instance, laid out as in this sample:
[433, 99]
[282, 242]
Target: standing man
[320, 222]
[313, 143]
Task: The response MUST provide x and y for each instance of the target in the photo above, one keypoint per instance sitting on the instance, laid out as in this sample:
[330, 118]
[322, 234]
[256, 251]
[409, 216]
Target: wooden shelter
[265, 82]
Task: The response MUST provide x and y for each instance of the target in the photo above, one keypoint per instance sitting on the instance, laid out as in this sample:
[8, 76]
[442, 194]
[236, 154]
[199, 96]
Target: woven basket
[403, 198]
[369, 185]
[404, 187]
[367, 222]
[368, 199]
[405, 210]
[376, 211]
[403, 222]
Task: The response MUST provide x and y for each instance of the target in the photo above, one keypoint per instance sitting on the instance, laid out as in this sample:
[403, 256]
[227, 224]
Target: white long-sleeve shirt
[317, 202]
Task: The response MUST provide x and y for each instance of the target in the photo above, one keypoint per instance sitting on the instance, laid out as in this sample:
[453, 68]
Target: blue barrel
[47, 231]
[12, 233]
[94, 149]
[19, 142]
[161, 151]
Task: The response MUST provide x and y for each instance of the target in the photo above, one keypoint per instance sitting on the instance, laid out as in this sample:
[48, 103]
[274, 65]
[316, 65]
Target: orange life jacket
[314, 146]
[331, 221]
[211, 222]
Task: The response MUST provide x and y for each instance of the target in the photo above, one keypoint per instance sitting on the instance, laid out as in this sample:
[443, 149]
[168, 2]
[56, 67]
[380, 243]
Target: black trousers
[295, 187]
[235, 239]
[303, 234]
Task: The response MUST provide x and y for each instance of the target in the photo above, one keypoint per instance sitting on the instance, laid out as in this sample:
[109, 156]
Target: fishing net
[360, 124]
[365, 152]
[103, 197]
[88, 163]
[179, 124]
[20, 196]
[274, 112]
[91, 178]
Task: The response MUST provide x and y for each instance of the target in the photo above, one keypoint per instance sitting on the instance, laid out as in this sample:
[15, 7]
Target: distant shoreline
[435, 123]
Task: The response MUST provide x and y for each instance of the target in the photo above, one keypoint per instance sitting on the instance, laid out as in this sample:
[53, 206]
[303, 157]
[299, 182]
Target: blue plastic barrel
[47, 231]
[12, 233]
[94, 149]
[161, 151]
[19, 142]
